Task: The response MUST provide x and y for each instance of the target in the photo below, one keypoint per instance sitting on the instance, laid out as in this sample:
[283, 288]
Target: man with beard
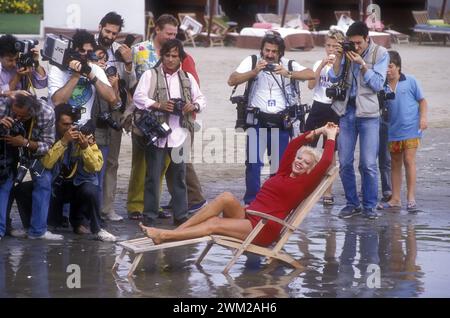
[109, 28]
[270, 86]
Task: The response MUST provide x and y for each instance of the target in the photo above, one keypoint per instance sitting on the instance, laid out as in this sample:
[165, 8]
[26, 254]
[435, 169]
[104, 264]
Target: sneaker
[370, 214]
[135, 216]
[328, 200]
[113, 217]
[18, 233]
[105, 236]
[349, 211]
[195, 207]
[47, 236]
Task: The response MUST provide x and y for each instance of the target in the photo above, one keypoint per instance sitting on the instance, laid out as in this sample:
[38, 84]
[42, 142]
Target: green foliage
[21, 6]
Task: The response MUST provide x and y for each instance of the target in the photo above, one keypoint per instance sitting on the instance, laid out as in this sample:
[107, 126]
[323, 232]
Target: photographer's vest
[159, 92]
[367, 105]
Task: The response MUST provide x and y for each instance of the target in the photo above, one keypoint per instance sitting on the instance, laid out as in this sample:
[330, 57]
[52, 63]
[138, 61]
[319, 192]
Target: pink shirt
[142, 101]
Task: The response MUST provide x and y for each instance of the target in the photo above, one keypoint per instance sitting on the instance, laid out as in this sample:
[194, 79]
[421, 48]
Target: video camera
[24, 48]
[151, 128]
[59, 51]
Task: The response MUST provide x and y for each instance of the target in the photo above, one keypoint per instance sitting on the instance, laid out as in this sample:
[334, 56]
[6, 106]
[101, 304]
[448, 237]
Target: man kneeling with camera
[75, 161]
[27, 133]
[171, 96]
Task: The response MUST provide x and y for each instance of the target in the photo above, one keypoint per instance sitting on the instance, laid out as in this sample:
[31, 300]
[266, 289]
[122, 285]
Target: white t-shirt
[84, 93]
[266, 93]
[321, 85]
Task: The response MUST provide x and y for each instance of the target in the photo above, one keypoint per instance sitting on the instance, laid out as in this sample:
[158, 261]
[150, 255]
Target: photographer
[75, 161]
[32, 140]
[321, 111]
[173, 102]
[361, 66]
[145, 56]
[79, 85]
[268, 91]
[20, 69]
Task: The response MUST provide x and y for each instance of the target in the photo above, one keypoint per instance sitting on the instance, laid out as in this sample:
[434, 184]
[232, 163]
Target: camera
[129, 40]
[299, 112]
[25, 46]
[382, 98]
[26, 56]
[270, 67]
[16, 129]
[59, 51]
[111, 71]
[241, 105]
[33, 165]
[151, 128]
[336, 93]
[106, 117]
[178, 106]
[348, 46]
[86, 129]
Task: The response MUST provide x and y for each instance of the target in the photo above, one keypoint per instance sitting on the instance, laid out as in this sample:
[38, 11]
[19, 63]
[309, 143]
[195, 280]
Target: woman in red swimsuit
[300, 172]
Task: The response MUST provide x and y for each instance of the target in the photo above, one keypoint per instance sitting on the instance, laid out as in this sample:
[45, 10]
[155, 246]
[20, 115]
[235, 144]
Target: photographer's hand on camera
[83, 141]
[167, 106]
[189, 108]
[356, 58]
[70, 136]
[7, 122]
[127, 56]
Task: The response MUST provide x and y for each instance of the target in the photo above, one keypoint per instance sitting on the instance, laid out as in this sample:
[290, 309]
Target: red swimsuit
[281, 193]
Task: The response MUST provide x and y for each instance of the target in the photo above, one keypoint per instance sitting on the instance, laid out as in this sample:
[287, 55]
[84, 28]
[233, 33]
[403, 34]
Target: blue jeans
[101, 175]
[42, 190]
[384, 159]
[368, 130]
[258, 140]
[5, 190]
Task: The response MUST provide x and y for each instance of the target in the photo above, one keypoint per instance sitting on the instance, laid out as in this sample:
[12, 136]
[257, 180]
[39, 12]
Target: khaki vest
[367, 105]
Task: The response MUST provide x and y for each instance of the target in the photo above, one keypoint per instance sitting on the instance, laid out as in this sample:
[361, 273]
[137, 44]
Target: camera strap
[249, 82]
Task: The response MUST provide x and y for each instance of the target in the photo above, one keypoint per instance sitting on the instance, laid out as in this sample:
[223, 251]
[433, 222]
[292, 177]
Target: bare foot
[151, 232]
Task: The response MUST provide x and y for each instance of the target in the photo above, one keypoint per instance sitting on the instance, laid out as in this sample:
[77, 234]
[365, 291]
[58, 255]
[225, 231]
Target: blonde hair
[315, 154]
[337, 35]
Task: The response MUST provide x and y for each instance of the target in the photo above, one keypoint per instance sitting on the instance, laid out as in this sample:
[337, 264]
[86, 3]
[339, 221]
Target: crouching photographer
[27, 126]
[20, 68]
[75, 161]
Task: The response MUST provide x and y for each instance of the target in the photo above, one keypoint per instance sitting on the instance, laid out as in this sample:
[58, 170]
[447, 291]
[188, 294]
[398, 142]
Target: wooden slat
[150, 246]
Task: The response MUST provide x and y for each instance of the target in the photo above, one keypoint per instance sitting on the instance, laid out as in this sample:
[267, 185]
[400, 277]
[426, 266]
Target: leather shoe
[180, 221]
[164, 214]
[82, 230]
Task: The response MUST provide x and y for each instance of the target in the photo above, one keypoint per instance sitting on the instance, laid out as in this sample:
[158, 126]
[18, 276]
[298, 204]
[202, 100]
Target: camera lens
[111, 71]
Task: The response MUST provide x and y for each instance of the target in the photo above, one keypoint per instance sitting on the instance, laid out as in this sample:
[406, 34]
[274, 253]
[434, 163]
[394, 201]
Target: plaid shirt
[43, 129]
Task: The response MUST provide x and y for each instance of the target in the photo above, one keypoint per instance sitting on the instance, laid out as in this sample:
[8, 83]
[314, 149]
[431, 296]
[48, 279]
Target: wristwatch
[362, 65]
[27, 144]
[289, 74]
[197, 107]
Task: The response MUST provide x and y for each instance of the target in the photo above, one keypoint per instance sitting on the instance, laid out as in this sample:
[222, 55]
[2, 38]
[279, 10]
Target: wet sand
[412, 251]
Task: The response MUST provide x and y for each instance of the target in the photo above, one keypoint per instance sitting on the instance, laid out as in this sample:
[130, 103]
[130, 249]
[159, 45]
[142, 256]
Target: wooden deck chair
[142, 245]
[190, 26]
[338, 14]
[218, 31]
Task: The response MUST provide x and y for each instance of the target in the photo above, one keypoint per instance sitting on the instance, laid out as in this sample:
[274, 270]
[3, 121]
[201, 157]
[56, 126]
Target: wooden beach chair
[140, 246]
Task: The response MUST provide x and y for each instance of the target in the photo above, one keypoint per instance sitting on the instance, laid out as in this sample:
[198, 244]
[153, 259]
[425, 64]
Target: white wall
[86, 14]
